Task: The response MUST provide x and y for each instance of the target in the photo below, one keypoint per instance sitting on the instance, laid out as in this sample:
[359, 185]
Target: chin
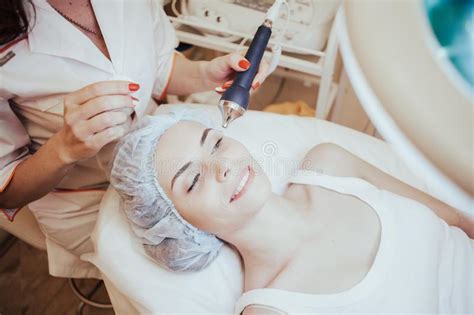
[259, 195]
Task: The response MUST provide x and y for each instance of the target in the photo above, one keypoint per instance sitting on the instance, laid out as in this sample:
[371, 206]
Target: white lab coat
[54, 59]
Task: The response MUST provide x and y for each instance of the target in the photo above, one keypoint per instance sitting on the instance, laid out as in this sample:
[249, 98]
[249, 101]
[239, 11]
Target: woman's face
[212, 180]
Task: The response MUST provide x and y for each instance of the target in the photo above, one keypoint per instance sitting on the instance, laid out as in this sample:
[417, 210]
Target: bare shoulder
[331, 159]
[326, 158]
[259, 310]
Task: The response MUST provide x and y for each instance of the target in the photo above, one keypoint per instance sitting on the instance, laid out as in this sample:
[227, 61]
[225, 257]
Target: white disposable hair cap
[167, 237]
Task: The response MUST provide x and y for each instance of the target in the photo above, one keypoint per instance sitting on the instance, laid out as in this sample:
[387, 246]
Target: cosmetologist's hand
[220, 71]
[94, 116]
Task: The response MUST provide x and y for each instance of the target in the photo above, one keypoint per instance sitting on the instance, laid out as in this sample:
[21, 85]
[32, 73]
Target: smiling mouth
[243, 184]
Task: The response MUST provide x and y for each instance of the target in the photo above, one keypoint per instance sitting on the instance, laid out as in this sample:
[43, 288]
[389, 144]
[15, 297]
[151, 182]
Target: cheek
[201, 209]
[258, 194]
[190, 209]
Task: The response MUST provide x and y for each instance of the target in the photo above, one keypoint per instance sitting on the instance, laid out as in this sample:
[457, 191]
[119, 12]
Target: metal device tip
[230, 111]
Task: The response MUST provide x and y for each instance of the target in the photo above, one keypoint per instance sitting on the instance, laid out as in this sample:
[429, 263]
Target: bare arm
[35, 177]
[341, 162]
[187, 76]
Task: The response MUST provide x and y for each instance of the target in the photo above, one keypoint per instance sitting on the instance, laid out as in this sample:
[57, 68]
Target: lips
[243, 185]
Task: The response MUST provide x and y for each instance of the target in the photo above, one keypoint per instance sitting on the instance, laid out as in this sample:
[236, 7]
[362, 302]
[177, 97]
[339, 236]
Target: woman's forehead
[179, 145]
[180, 136]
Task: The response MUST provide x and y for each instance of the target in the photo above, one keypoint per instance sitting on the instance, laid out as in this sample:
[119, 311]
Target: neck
[270, 238]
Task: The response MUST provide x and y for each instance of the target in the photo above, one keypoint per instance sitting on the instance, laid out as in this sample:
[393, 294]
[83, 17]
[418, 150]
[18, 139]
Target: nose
[223, 170]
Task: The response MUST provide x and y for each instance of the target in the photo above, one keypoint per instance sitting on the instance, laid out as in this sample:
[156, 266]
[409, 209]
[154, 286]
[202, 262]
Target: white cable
[287, 21]
[276, 54]
[272, 13]
[276, 48]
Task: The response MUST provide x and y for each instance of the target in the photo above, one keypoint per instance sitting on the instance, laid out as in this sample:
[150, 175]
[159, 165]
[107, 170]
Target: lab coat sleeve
[165, 42]
[14, 142]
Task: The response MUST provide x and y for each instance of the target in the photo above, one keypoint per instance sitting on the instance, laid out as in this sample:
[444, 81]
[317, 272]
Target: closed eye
[217, 145]
[195, 180]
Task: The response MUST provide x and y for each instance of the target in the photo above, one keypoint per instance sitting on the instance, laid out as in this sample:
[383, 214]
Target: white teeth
[241, 184]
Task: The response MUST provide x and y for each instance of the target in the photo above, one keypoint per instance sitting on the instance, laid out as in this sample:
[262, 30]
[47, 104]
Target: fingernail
[226, 85]
[245, 64]
[133, 87]
[219, 89]
[256, 85]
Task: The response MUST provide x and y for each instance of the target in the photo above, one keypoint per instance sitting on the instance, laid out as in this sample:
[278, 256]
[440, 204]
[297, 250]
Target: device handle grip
[254, 56]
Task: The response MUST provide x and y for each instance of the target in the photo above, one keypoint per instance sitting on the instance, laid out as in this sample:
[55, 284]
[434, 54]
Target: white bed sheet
[137, 285]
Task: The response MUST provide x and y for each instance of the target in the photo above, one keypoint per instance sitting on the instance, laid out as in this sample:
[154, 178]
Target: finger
[104, 121]
[227, 84]
[127, 124]
[100, 89]
[109, 135]
[261, 74]
[103, 104]
[242, 52]
[126, 111]
[219, 90]
[237, 62]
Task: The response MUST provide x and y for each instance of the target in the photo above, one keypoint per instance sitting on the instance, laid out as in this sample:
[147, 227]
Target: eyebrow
[185, 166]
[179, 172]
[204, 135]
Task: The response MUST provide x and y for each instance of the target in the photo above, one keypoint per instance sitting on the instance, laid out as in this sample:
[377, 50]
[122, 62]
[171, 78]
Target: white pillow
[279, 143]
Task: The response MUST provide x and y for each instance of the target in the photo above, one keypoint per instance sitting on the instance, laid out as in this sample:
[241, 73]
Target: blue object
[239, 91]
[452, 22]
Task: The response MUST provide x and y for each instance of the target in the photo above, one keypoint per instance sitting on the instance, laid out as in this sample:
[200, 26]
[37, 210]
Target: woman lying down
[344, 237]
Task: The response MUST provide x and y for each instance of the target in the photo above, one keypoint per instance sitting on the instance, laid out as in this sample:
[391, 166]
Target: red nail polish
[133, 87]
[245, 64]
[226, 85]
[256, 85]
